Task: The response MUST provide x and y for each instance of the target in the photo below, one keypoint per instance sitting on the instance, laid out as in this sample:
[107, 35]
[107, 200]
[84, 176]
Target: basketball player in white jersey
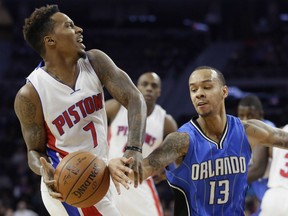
[61, 107]
[250, 107]
[275, 200]
[145, 198]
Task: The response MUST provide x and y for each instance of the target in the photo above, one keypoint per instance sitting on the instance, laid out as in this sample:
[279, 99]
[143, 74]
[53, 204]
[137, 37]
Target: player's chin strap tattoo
[133, 148]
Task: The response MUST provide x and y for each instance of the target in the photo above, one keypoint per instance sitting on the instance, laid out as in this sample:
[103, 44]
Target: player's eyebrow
[203, 81]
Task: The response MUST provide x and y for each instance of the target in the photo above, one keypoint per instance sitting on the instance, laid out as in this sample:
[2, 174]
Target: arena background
[245, 39]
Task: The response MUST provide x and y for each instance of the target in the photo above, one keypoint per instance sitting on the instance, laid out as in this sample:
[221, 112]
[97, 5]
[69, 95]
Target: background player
[145, 198]
[215, 151]
[61, 107]
[250, 107]
[275, 200]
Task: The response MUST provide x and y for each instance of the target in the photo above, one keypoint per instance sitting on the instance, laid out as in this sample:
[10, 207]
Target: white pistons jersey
[118, 132]
[279, 168]
[75, 119]
[275, 200]
[145, 198]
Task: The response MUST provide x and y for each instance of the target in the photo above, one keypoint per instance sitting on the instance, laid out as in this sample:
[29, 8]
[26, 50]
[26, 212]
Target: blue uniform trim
[71, 210]
[218, 145]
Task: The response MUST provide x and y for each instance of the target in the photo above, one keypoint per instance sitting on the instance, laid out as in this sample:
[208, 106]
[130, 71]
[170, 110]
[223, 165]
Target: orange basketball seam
[79, 178]
[58, 182]
[105, 171]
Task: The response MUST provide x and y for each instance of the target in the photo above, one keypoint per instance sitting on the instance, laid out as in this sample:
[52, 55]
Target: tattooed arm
[28, 109]
[170, 125]
[174, 147]
[121, 88]
[260, 133]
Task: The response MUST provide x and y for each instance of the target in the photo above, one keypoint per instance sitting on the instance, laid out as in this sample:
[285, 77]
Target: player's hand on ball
[119, 172]
[47, 172]
[136, 165]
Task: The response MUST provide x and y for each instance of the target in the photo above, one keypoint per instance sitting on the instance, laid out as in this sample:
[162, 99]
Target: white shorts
[140, 201]
[55, 208]
[275, 202]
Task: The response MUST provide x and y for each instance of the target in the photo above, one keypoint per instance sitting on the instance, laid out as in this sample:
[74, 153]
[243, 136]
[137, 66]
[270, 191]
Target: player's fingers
[136, 176]
[124, 183]
[127, 161]
[126, 170]
[55, 195]
[120, 175]
[117, 186]
[124, 179]
[44, 163]
[140, 173]
[49, 182]
[122, 171]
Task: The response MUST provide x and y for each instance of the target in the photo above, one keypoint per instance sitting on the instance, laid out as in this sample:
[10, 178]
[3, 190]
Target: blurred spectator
[22, 210]
[9, 212]
[6, 27]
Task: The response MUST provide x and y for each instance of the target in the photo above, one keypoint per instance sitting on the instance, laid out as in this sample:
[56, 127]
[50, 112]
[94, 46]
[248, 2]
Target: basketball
[82, 178]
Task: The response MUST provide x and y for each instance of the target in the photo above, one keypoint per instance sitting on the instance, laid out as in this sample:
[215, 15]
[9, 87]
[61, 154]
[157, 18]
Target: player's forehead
[203, 75]
[248, 109]
[61, 18]
[149, 78]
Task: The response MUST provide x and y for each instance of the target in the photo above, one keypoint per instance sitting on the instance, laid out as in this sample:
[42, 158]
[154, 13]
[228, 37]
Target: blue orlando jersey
[212, 179]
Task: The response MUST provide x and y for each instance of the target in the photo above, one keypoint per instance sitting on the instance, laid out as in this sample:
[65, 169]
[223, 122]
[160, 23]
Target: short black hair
[219, 73]
[38, 25]
[251, 100]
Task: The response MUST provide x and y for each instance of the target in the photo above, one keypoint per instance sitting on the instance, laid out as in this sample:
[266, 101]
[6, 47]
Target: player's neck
[213, 126]
[66, 74]
[150, 109]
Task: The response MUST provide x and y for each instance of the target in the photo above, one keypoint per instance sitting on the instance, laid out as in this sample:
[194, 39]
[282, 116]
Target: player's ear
[48, 40]
[225, 91]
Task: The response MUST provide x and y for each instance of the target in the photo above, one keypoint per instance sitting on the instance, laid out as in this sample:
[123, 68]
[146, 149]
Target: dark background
[245, 39]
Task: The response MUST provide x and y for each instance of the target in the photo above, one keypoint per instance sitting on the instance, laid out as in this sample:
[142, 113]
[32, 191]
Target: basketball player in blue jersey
[61, 107]
[207, 159]
[250, 107]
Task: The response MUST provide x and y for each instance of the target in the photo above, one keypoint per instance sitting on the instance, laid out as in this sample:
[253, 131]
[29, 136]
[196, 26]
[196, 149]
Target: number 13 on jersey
[219, 192]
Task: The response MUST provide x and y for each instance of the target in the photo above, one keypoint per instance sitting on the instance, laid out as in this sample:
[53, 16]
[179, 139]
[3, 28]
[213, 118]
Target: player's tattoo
[247, 126]
[282, 140]
[174, 147]
[27, 110]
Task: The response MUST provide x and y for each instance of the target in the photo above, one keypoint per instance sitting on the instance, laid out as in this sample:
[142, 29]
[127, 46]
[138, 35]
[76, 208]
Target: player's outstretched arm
[260, 133]
[170, 125]
[121, 88]
[174, 147]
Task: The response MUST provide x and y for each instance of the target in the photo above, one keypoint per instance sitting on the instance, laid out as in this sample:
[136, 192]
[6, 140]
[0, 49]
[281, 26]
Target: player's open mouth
[201, 103]
[80, 39]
